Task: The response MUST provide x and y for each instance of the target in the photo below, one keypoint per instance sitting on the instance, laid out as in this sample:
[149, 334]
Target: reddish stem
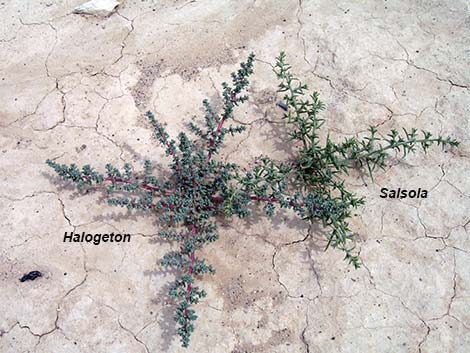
[217, 131]
[142, 185]
[272, 199]
[217, 199]
[119, 180]
[172, 152]
[190, 269]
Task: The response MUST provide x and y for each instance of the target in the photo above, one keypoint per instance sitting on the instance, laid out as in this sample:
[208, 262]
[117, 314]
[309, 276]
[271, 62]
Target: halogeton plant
[202, 188]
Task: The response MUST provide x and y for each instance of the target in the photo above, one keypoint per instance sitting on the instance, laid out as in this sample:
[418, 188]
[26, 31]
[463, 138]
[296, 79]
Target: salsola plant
[202, 188]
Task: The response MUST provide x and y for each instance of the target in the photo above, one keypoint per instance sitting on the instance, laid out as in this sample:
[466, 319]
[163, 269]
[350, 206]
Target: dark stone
[31, 276]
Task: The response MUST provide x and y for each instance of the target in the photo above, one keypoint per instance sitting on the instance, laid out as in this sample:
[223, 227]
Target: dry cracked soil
[74, 88]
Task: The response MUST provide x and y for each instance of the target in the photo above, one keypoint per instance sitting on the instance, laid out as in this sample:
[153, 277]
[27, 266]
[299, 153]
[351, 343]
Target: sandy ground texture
[74, 88]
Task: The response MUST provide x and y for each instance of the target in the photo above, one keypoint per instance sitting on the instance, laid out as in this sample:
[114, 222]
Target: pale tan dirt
[74, 88]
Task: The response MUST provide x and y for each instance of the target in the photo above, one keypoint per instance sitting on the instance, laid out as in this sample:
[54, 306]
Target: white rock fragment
[97, 7]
